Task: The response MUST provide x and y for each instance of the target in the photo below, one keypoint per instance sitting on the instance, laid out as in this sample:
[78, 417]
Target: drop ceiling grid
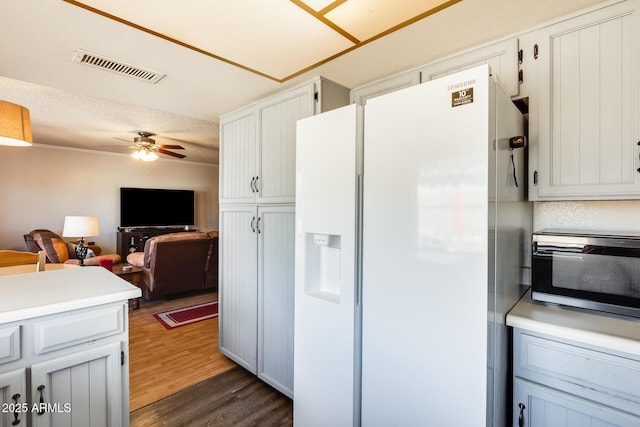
[275, 39]
[365, 19]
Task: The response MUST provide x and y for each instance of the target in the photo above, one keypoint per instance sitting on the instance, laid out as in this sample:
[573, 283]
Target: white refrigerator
[412, 232]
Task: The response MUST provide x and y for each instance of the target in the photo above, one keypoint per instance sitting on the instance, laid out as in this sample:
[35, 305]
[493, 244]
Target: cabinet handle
[638, 168]
[253, 189]
[535, 51]
[521, 416]
[535, 178]
[256, 184]
[16, 412]
[253, 220]
[258, 225]
[41, 390]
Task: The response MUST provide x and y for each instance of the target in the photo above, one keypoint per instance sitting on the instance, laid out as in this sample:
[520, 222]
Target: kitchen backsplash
[601, 215]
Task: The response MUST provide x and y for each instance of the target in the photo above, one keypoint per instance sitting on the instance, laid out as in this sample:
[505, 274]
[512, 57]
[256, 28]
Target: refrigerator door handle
[358, 267]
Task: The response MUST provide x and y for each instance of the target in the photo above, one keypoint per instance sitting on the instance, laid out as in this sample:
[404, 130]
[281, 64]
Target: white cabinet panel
[9, 344]
[257, 143]
[539, 406]
[238, 284]
[238, 157]
[277, 124]
[256, 291]
[361, 94]
[502, 58]
[276, 296]
[13, 398]
[81, 389]
[588, 112]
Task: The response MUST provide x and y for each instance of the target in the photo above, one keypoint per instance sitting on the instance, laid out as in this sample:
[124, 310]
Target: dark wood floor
[232, 398]
[179, 378]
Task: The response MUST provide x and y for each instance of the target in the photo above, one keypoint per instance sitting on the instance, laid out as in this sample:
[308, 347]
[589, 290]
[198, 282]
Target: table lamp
[81, 226]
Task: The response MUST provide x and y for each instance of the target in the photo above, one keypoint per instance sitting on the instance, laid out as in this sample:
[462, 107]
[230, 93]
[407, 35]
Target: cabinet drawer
[78, 328]
[9, 344]
[579, 368]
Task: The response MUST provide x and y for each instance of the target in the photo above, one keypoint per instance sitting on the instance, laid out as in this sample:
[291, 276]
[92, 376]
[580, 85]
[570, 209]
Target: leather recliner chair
[176, 263]
[60, 251]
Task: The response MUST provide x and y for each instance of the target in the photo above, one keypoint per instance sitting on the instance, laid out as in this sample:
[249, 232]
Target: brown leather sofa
[178, 262]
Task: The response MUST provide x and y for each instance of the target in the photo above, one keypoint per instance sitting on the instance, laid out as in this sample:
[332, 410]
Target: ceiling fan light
[145, 155]
[149, 156]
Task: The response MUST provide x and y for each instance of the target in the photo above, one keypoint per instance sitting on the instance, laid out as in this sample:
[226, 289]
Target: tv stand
[133, 239]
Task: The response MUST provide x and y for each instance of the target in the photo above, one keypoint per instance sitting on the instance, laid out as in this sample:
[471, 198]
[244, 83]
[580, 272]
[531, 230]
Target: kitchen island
[573, 366]
[64, 339]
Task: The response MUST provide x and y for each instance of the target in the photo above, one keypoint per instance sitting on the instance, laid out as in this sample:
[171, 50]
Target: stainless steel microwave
[597, 271]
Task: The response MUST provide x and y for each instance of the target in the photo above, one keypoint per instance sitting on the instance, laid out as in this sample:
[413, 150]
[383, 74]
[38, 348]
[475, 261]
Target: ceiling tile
[365, 19]
[276, 38]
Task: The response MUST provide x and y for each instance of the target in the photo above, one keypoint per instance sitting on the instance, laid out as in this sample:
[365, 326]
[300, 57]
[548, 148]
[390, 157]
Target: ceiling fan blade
[171, 153]
[172, 147]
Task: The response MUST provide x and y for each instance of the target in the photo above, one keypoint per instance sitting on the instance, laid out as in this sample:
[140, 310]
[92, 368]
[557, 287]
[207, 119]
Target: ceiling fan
[146, 148]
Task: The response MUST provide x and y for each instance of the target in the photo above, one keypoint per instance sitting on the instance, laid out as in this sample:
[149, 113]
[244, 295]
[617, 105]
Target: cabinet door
[238, 274]
[502, 57]
[81, 389]
[276, 296]
[277, 123]
[238, 145]
[539, 406]
[361, 94]
[589, 107]
[13, 398]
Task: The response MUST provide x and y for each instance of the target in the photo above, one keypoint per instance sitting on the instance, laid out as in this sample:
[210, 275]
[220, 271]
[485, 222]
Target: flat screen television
[154, 207]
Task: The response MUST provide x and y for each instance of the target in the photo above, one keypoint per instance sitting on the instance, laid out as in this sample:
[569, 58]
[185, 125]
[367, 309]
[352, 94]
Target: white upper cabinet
[502, 58]
[277, 119]
[587, 115]
[361, 94]
[257, 143]
[238, 159]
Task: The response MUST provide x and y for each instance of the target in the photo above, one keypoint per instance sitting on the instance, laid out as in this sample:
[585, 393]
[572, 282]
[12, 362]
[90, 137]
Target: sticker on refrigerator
[462, 97]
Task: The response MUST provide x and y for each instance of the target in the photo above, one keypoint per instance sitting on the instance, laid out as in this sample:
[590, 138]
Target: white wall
[39, 185]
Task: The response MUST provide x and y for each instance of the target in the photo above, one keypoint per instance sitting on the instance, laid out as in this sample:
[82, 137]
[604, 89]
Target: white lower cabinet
[570, 384]
[256, 290]
[81, 389]
[69, 369]
[238, 284]
[13, 398]
[540, 406]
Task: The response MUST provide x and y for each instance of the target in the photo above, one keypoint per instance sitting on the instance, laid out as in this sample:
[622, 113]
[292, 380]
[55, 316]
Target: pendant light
[15, 125]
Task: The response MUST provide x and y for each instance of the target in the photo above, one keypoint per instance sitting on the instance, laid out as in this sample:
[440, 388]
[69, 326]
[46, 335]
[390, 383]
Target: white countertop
[620, 333]
[24, 296]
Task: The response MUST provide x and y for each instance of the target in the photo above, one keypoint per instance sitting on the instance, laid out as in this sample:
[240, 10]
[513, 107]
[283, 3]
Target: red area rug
[185, 316]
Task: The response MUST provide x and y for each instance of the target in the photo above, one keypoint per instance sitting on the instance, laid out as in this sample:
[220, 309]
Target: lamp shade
[80, 226]
[15, 125]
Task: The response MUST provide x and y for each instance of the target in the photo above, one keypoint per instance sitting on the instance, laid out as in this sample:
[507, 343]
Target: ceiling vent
[102, 62]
